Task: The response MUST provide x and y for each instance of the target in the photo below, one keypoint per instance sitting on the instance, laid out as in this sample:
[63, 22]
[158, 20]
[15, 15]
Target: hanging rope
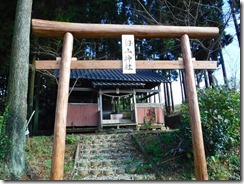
[116, 96]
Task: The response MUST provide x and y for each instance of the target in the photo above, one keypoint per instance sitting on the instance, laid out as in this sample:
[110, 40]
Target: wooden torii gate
[46, 28]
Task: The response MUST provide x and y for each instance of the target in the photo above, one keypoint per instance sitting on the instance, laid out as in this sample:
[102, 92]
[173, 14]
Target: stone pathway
[109, 157]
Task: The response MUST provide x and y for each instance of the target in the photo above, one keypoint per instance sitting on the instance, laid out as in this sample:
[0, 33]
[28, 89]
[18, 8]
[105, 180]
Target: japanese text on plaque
[128, 54]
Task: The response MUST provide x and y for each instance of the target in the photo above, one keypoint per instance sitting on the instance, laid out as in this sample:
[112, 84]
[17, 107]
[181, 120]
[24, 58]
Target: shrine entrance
[68, 30]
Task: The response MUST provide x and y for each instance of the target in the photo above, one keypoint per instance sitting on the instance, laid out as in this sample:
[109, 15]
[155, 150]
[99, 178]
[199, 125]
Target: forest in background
[159, 12]
[151, 12]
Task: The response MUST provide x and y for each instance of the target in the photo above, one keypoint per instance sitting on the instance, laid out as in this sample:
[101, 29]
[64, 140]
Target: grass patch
[165, 151]
[39, 156]
[165, 148]
[175, 161]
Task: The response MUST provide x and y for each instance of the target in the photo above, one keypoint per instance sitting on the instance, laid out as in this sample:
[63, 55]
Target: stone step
[114, 177]
[120, 150]
[107, 157]
[111, 137]
[107, 170]
[122, 163]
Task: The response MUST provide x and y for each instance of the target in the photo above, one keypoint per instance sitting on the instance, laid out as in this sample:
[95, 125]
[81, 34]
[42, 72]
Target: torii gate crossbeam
[47, 28]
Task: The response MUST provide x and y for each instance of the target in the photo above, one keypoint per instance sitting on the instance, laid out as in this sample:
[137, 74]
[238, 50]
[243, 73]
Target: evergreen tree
[17, 90]
[235, 11]
[187, 13]
[6, 29]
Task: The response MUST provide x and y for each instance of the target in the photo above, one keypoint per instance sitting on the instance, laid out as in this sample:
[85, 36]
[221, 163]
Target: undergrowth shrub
[224, 167]
[3, 135]
[220, 117]
[153, 148]
[4, 143]
[70, 139]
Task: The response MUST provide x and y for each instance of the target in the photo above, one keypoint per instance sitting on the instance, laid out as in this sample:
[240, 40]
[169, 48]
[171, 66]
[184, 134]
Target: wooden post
[61, 110]
[165, 97]
[160, 93]
[101, 109]
[195, 121]
[168, 110]
[135, 107]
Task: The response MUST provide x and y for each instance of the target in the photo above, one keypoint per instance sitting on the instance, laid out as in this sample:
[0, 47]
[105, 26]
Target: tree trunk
[210, 78]
[197, 80]
[184, 86]
[235, 21]
[37, 104]
[31, 92]
[17, 90]
[223, 67]
[172, 99]
[181, 87]
[206, 79]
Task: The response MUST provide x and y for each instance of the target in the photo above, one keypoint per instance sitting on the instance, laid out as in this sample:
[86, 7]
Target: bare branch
[155, 21]
[73, 86]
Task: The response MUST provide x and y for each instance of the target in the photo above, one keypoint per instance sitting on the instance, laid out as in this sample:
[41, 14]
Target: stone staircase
[109, 157]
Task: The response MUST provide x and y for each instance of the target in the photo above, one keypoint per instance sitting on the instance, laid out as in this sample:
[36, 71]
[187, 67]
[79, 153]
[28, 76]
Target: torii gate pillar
[195, 121]
[57, 168]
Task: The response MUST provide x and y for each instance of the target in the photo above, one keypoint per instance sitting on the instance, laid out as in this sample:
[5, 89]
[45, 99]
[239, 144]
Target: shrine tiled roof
[116, 77]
